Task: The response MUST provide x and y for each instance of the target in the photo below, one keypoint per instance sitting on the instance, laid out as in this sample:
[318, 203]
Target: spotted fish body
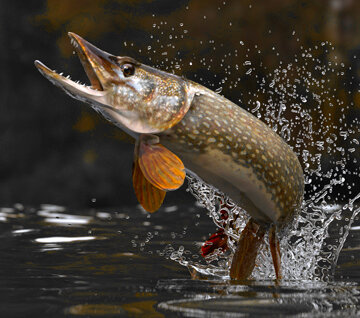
[237, 153]
[175, 122]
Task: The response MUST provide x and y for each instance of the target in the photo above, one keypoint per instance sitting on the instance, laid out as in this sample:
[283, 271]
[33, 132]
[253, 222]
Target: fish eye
[128, 69]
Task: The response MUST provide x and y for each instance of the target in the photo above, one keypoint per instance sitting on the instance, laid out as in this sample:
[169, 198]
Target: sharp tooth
[74, 43]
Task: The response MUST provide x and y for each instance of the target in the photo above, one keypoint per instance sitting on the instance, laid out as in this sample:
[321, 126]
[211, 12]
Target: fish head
[134, 96]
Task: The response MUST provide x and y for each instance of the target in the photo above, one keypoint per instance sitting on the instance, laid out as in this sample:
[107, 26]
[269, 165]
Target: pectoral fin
[148, 196]
[160, 166]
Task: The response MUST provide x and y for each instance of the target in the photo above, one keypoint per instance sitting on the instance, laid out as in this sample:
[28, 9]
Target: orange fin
[148, 196]
[160, 166]
[249, 243]
[275, 251]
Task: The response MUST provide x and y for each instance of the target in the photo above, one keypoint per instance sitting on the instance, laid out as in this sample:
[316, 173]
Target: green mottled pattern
[214, 122]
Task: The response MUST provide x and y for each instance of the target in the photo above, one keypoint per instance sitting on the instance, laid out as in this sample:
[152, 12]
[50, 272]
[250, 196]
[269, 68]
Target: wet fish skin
[148, 101]
[222, 143]
[240, 155]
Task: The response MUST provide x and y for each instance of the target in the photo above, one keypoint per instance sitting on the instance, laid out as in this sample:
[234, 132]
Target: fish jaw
[99, 67]
[74, 89]
[145, 101]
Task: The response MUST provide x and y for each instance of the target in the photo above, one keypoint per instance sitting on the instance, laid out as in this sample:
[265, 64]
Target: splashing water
[309, 101]
[304, 256]
[292, 103]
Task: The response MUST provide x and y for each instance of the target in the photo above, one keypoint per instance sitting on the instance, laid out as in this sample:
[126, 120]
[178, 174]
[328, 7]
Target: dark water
[57, 262]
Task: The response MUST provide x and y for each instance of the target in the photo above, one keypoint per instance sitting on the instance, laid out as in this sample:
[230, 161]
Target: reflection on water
[98, 263]
[61, 239]
[116, 264]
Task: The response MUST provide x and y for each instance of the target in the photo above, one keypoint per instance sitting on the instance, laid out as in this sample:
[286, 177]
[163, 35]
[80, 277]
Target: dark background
[56, 150]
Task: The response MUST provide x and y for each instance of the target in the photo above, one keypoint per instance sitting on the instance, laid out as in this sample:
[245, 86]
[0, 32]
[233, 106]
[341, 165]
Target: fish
[178, 126]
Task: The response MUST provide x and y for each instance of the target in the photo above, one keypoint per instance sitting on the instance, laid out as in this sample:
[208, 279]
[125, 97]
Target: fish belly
[238, 182]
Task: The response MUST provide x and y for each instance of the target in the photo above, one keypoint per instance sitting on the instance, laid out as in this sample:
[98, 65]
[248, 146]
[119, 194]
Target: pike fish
[178, 123]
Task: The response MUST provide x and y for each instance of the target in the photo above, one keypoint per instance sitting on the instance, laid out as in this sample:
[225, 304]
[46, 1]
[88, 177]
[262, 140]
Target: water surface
[59, 262]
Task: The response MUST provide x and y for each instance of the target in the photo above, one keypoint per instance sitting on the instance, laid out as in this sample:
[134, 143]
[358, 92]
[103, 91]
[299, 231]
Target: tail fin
[249, 243]
[275, 251]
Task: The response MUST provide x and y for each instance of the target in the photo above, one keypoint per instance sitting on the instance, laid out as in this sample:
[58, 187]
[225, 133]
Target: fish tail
[243, 261]
[275, 251]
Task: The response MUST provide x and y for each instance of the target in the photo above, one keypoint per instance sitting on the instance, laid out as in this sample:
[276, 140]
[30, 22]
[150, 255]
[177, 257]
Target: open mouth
[93, 61]
[85, 54]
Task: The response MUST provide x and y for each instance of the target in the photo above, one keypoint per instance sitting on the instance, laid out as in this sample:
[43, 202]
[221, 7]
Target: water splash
[306, 252]
[297, 101]
[309, 99]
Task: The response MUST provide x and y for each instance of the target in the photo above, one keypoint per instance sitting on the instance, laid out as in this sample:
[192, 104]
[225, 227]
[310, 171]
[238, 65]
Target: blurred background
[57, 150]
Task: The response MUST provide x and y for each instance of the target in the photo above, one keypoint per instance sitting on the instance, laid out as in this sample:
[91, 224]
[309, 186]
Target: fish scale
[176, 121]
[244, 140]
